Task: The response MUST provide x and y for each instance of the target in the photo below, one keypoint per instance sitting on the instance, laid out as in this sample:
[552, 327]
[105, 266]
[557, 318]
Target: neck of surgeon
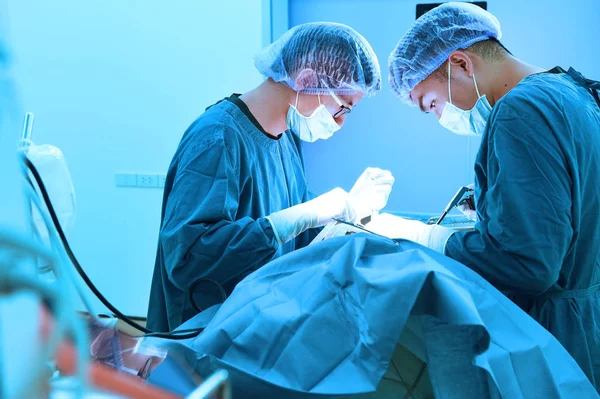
[497, 78]
[269, 103]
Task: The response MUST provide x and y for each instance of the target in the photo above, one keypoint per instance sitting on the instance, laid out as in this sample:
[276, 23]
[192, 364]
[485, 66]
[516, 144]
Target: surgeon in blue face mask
[537, 172]
[236, 195]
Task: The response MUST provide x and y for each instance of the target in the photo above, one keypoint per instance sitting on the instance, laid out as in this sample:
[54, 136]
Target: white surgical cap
[431, 40]
[340, 58]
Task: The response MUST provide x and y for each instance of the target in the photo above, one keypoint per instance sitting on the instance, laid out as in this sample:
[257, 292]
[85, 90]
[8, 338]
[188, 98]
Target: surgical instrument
[464, 194]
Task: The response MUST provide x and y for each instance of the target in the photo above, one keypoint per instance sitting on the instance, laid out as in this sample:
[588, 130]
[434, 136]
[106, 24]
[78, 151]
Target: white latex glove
[372, 190]
[432, 236]
[466, 209]
[318, 212]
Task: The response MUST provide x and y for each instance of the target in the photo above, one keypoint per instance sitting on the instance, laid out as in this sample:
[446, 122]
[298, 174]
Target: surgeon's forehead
[416, 95]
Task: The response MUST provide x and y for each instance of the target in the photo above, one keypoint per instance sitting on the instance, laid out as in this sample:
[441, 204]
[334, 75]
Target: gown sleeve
[525, 197]
[201, 237]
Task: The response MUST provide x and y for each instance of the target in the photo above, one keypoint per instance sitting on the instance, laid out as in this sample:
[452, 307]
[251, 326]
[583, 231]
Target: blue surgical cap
[431, 40]
[338, 56]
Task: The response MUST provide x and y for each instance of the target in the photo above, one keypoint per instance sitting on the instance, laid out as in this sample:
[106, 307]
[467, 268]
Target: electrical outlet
[147, 180]
[152, 180]
[162, 178]
[126, 179]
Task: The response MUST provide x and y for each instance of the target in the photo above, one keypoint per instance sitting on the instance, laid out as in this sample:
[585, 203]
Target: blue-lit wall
[114, 84]
[428, 162]
[12, 206]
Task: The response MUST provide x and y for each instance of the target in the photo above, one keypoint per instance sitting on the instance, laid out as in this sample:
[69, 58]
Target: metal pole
[27, 126]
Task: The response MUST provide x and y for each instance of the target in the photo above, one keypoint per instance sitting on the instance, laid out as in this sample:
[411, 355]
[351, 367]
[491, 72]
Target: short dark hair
[491, 50]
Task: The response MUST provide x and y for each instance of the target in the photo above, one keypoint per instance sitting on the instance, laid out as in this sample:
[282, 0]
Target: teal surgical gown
[537, 188]
[227, 175]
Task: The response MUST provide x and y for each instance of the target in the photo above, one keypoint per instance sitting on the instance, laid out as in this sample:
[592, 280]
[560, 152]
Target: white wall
[430, 163]
[12, 209]
[114, 84]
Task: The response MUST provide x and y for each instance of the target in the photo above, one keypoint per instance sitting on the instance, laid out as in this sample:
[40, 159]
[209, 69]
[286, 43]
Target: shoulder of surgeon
[542, 94]
[216, 131]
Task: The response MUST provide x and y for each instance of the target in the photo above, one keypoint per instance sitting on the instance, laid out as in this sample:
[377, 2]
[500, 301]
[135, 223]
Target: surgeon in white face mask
[321, 124]
[236, 194]
[461, 93]
[457, 95]
[451, 64]
[310, 121]
[537, 171]
[322, 121]
[470, 122]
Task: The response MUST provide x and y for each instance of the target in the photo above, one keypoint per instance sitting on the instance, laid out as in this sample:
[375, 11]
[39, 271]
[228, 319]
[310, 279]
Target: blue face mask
[466, 123]
[320, 125]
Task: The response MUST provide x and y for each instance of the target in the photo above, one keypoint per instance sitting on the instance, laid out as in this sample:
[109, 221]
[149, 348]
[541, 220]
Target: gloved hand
[371, 191]
[466, 209]
[432, 236]
[318, 212]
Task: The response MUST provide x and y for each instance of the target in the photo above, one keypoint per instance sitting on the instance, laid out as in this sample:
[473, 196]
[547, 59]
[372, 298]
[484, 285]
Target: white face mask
[320, 125]
[467, 123]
